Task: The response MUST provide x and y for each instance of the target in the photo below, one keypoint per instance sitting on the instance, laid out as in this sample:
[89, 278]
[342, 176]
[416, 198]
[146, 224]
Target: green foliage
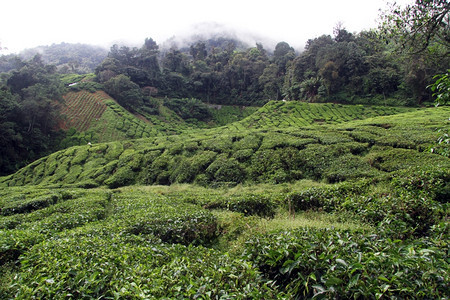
[132, 267]
[431, 182]
[223, 115]
[326, 263]
[29, 97]
[99, 243]
[69, 58]
[92, 243]
[441, 88]
[334, 153]
[225, 170]
[120, 177]
[126, 92]
[417, 26]
[248, 204]
[252, 225]
[189, 108]
[349, 68]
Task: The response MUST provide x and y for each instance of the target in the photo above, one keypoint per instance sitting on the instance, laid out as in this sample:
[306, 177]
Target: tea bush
[170, 220]
[433, 182]
[326, 263]
[132, 267]
[248, 204]
[229, 156]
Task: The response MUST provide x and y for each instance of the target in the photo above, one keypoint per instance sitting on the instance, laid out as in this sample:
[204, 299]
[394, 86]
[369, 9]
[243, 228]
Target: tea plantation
[294, 201]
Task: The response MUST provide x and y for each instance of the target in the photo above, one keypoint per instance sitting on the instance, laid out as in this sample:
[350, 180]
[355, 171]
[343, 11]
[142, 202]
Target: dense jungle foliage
[68, 58]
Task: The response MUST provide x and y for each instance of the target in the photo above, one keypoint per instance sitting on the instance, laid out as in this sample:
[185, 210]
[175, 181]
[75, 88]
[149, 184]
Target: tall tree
[28, 114]
[198, 51]
[125, 91]
[282, 55]
[421, 31]
[419, 25]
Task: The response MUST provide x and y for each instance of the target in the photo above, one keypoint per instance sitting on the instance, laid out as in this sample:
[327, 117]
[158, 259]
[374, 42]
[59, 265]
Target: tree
[126, 92]
[28, 114]
[310, 88]
[282, 55]
[271, 82]
[330, 74]
[108, 69]
[198, 51]
[419, 25]
[341, 34]
[441, 88]
[420, 32]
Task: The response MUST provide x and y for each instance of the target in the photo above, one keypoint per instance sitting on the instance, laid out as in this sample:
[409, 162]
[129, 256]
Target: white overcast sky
[31, 23]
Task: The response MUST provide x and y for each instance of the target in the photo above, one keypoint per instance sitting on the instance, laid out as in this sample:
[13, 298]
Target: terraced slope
[82, 109]
[98, 118]
[281, 114]
[333, 153]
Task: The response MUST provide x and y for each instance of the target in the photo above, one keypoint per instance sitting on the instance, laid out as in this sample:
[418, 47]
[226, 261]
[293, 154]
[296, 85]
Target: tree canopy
[28, 113]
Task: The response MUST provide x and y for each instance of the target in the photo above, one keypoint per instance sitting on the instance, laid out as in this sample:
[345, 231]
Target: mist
[104, 23]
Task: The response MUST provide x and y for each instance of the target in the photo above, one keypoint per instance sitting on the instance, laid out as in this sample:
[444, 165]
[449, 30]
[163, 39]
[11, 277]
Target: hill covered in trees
[68, 58]
[346, 68]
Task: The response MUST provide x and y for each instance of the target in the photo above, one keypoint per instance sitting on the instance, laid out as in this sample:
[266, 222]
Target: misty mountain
[69, 58]
[216, 35]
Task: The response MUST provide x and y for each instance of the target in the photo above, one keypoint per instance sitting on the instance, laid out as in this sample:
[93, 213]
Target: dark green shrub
[250, 141]
[103, 173]
[248, 204]
[202, 180]
[163, 178]
[177, 227]
[226, 170]
[189, 108]
[182, 170]
[315, 198]
[221, 143]
[243, 155]
[410, 216]
[132, 268]
[276, 166]
[432, 181]
[30, 205]
[14, 243]
[348, 166]
[81, 155]
[201, 160]
[121, 177]
[325, 263]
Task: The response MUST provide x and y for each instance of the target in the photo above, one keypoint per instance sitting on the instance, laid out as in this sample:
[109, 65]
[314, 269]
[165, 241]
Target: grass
[237, 229]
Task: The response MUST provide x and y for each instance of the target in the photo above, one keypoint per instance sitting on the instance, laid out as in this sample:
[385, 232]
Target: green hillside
[233, 154]
[95, 117]
[282, 114]
[295, 201]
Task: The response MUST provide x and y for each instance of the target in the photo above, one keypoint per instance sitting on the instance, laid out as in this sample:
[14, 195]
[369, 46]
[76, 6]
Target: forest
[221, 170]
